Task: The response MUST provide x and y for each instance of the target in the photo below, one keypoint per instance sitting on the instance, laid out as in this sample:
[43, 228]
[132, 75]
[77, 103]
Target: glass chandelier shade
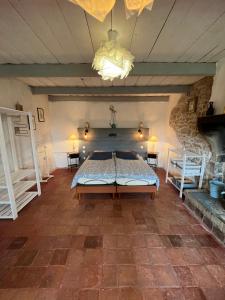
[111, 60]
[100, 8]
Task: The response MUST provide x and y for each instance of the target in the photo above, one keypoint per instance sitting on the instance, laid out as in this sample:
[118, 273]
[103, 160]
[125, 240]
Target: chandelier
[111, 60]
[100, 8]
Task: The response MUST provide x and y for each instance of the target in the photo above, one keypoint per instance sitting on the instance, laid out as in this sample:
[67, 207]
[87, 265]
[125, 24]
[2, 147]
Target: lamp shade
[72, 137]
[138, 5]
[100, 8]
[153, 139]
[111, 60]
[96, 8]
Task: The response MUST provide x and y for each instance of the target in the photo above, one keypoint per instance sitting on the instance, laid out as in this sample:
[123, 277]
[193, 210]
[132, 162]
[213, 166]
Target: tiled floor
[136, 249]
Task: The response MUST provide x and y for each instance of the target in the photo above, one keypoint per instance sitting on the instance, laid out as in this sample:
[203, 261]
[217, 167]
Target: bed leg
[153, 196]
[80, 198]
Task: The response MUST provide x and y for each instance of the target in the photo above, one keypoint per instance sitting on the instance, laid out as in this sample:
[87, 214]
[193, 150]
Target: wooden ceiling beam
[111, 90]
[85, 70]
[110, 99]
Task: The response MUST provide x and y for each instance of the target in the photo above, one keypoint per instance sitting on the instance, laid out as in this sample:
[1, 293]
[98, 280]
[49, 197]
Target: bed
[124, 172]
[96, 175]
[133, 175]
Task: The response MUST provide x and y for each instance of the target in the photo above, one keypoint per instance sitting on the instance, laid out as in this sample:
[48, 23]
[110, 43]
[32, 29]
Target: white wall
[218, 89]
[13, 91]
[65, 117]
[68, 116]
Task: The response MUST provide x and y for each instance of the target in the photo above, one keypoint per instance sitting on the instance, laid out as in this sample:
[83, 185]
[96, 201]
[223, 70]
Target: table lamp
[153, 139]
[73, 138]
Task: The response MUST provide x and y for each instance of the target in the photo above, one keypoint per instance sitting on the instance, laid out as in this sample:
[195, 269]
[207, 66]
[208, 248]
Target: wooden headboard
[110, 139]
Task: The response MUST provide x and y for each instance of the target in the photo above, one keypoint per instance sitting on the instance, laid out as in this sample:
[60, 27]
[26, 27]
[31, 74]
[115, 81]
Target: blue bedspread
[135, 169]
[111, 169]
[96, 170]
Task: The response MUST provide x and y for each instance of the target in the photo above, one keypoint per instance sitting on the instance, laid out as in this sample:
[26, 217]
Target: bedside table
[152, 159]
[73, 159]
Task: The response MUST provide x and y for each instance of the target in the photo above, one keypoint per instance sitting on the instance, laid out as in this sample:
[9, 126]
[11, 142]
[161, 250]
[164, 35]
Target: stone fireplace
[208, 138]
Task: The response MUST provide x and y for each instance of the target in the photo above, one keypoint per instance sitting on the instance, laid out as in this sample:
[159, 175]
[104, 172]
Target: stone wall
[184, 124]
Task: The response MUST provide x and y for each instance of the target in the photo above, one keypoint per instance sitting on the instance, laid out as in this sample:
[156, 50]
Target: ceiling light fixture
[100, 8]
[111, 60]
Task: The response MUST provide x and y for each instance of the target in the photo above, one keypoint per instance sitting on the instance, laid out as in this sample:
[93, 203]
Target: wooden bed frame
[152, 189]
[115, 190]
[95, 189]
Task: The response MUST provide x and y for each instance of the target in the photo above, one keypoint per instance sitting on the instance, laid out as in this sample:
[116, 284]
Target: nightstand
[152, 159]
[73, 159]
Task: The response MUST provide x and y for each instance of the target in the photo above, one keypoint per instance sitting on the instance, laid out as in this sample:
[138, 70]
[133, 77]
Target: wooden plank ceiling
[56, 31]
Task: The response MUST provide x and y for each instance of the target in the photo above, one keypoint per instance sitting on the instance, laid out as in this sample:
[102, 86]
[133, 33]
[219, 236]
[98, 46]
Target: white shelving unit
[6, 211]
[19, 188]
[16, 176]
[15, 183]
[184, 167]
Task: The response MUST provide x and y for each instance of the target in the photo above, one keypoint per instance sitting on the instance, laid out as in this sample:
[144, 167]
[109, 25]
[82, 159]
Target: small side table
[152, 159]
[73, 159]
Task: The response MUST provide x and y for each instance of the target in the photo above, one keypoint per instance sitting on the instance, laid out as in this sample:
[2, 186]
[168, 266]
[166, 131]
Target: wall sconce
[140, 130]
[86, 130]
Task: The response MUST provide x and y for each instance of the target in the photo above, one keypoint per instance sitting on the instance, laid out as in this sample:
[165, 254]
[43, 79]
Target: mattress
[121, 171]
[135, 172]
[95, 172]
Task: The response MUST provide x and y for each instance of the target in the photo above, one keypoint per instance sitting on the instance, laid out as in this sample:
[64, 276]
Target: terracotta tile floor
[135, 249]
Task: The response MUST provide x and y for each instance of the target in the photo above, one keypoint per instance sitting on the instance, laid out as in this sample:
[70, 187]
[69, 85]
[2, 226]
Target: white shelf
[190, 171]
[17, 176]
[19, 188]
[15, 186]
[182, 152]
[187, 165]
[23, 200]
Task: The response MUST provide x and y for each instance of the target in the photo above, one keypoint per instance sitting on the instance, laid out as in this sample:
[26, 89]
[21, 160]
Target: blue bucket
[216, 188]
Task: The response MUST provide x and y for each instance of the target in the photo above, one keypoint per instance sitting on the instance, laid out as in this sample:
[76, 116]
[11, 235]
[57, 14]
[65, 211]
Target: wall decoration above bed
[113, 116]
[112, 139]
